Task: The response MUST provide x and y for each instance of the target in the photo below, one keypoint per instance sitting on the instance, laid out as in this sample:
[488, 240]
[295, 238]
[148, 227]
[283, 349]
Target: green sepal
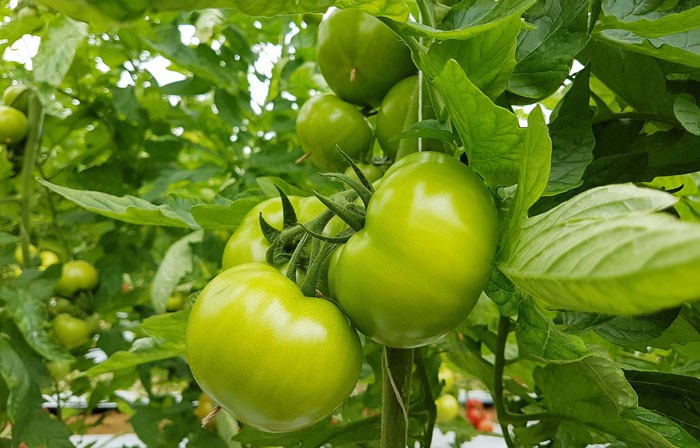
[360, 175]
[295, 262]
[289, 216]
[352, 217]
[364, 192]
[270, 233]
[340, 238]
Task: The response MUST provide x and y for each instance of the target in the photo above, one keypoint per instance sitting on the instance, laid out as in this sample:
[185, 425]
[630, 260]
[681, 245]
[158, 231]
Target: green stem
[308, 286]
[498, 401]
[428, 399]
[31, 151]
[636, 116]
[396, 387]
[54, 216]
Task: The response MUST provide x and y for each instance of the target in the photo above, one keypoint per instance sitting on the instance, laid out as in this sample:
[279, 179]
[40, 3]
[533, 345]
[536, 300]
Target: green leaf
[490, 134]
[682, 48]
[57, 50]
[539, 337]
[677, 397]
[608, 251]
[663, 431]
[127, 208]
[687, 112]
[177, 262]
[653, 18]
[170, 326]
[572, 137]
[593, 389]
[546, 51]
[426, 129]
[271, 186]
[632, 330]
[391, 9]
[488, 58]
[211, 216]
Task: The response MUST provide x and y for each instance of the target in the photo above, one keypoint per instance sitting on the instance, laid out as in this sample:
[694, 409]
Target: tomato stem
[397, 366]
[498, 401]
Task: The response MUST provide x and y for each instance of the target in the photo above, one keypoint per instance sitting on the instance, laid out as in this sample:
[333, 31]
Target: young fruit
[70, 331]
[76, 275]
[12, 96]
[325, 123]
[360, 57]
[447, 408]
[446, 377]
[48, 258]
[14, 125]
[275, 359]
[19, 257]
[417, 268]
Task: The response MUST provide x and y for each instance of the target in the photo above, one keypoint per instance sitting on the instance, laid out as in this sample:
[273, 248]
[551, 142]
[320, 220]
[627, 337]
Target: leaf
[546, 51]
[688, 113]
[676, 397]
[425, 129]
[57, 50]
[538, 337]
[682, 48]
[490, 134]
[391, 9]
[650, 18]
[177, 262]
[660, 429]
[126, 208]
[632, 330]
[488, 58]
[608, 251]
[211, 216]
[269, 186]
[593, 389]
[572, 136]
[469, 18]
[170, 326]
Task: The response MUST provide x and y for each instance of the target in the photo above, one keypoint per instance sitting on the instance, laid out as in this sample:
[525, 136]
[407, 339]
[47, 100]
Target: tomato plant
[326, 123]
[360, 57]
[376, 273]
[298, 336]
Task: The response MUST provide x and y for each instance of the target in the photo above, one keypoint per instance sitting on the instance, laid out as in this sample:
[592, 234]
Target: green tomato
[360, 57]
[59, 369]
[417, 268]
[446, 377]
[48, 258]
[326, 121]
[175, 302]
[273, 358]
[371, 172]
[11, 95]
[70, 331]
[76, 275]
[19, 257]
[14, 125]
[248, 244]
[60, 305]
[398, 112]
[447, 408]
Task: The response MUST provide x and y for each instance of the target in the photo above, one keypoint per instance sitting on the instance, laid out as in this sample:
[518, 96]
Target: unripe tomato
[19, 257]
[398, 112]
[326, 122]
[447, 408]
[10, 95]
[360, 57]
[70, 331]
[60, 305]
[248, 244]
[59, 369]
[14, 125]
[417, 268]
[446, 377]
[77, 275]
[48, 258]
[273, 358]
[175, 302]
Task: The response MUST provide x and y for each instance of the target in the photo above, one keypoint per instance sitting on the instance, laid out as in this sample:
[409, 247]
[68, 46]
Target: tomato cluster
[370, 71]
[477, 416]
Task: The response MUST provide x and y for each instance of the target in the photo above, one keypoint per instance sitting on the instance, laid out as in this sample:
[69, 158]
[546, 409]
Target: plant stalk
[397, 366]
[498, 401]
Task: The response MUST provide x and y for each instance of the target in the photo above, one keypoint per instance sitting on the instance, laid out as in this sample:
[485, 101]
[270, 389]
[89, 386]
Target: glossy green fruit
[76, 275]
[11, 95]
[326, 122]
[398, 112]
[417, 268]
[70, 331]
[276, 360]
[447, 408]
[360, 57]
[14, 125]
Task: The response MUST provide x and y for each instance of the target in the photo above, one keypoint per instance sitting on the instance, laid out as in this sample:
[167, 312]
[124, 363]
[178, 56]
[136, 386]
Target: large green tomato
[14, 125]
[273, 358]
[326, 121]
[76, 275]
[70, 331]
[417, 268]
[248, 244]
[398, 112]
[360, 57]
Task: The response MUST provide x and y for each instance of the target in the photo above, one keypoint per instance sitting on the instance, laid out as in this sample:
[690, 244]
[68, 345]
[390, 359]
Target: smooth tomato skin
[247, 244]
[446, 377]
[10, 95]
[447, 408]
[76, 275]
[326, 121]
[19, 257]
[273, 358]
[417, 268]
[14, 125]
[484, 425]
[397, 113]
[360, 57]
[70, 331]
